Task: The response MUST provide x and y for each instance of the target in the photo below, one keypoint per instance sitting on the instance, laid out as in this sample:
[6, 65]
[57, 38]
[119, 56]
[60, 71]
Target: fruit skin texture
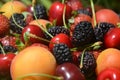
[35, 30]
[60, 38]
[107, 15]
[112, 38]
[43, 22]
[56, 12]
[18, 7]
[110, 74]
[34, 59]
[5, 62]
[108, 58]
[69, 71]
[4, 25]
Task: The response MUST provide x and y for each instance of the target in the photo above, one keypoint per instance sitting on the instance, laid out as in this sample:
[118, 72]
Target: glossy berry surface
[56, 12]
[69, 71]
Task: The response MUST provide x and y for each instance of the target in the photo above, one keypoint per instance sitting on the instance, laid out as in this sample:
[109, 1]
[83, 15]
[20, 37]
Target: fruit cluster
[65, 41]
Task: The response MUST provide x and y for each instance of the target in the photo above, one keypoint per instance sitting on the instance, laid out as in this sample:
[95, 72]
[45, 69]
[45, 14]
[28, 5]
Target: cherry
[112, 38]
[69, 71]
[34, 32]
[5, 62]
[60, 38]
[109, 74]
[56, 12]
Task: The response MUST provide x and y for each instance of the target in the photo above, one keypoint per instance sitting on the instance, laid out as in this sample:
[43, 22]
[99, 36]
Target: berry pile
[59, 40]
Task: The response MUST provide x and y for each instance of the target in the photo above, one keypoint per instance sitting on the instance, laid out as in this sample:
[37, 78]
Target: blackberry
[9, 48]
[88, 63]
[56, 30]
[84, 11]
[19, 19]
[40, 11]
[83, 34]
[101, 29]
[62, 53]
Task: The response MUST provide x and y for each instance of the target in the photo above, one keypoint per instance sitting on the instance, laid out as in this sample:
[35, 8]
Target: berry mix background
[59, 40]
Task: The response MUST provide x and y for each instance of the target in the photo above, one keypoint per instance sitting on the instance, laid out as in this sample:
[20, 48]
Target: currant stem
[93, 12]
[37, 74]
[33, 2]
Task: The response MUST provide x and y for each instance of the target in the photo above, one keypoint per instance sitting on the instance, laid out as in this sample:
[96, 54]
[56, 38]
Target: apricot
[13, 7]
[43, 22]
[33, 59]
[107, 15]
[109, 57]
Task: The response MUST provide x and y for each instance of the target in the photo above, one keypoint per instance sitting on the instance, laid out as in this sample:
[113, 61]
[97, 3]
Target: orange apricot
[33, 59]
[109, 57]
[13, 7]
[42, 22]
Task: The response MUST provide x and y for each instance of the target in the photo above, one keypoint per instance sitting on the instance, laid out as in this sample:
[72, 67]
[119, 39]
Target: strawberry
[4, 25]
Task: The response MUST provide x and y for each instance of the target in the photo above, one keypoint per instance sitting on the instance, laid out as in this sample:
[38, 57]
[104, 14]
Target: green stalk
[46, 3]
[93, 12]
[64, 17]
[33, 2]
[63, 1]
[2, 50]
[43, 75]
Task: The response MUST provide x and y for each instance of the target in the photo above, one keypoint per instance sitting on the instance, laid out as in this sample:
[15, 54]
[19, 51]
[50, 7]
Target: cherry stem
[64, 17]
[13, 16]
[2, 49]
[37, 74]
[63, 1]
[40, 25]
[93, 12]
[93, 46]
[34, 36]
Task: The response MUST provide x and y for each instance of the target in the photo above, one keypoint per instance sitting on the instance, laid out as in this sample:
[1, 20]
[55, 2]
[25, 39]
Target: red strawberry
[4, 25]
[8, 40]
[75, 4]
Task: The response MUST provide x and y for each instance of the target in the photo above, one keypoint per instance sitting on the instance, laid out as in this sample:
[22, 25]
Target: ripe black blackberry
[19, 19]
[56, 30]
[87, 63]
[83, 34]
[101, 29]
[62, 53]
[40, 12]
[84, 11]
[9, 48]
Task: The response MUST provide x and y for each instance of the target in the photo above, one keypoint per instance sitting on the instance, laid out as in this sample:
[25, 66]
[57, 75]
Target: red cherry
[112, 38]
[60, 38]
[109, 74]
[5, 62]
[35, 30]
[56, 12]
[69, 71]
